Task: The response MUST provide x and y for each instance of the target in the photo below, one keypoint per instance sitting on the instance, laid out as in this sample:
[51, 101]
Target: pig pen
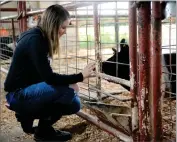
[73, 61]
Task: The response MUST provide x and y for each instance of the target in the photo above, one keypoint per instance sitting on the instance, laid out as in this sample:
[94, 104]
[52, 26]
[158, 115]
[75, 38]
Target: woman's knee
[69, 108]
[64, 95]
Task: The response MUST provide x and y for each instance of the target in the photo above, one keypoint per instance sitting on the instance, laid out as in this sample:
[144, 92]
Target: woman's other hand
[75, 87]
[88, 71]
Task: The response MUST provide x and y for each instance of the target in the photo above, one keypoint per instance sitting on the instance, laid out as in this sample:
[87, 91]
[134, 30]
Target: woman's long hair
[50, 22]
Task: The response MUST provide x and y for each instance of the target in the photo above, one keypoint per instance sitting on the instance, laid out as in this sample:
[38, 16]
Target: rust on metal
[23, 20]
[133, 67]
[8, 21]
[13, 33]
[144, 28]
[10, 9]
[133, 48]
[155, 94]
[97, 47]
[19, 6]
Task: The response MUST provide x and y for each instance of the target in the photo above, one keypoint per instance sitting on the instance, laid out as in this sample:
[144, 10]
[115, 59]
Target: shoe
[50, 134]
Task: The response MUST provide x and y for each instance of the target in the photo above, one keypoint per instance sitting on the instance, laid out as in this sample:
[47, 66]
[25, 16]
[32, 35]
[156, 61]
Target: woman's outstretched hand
[88, 71]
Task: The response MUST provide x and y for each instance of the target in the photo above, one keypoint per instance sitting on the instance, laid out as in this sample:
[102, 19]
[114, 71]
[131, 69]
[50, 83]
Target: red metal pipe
[133, 67]
[13, 32]
[4, 21]
[19, 5]
[156, 123]
[133, 49]
[144, 29]
[23, 20]
[10, 9]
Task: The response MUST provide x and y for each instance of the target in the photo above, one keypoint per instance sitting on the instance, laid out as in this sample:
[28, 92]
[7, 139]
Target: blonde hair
[50, 22]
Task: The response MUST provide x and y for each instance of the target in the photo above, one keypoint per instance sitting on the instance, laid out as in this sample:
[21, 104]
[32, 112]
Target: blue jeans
[43, 100]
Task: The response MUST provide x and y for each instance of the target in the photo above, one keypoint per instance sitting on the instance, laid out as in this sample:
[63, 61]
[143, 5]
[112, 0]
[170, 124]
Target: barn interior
[110, 111]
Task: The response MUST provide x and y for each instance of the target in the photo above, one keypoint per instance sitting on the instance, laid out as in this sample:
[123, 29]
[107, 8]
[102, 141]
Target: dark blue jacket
[30, 64]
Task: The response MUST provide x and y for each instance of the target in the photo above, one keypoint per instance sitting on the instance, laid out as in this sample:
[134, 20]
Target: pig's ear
[122, 40]
[122, 43]
[113, 49]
